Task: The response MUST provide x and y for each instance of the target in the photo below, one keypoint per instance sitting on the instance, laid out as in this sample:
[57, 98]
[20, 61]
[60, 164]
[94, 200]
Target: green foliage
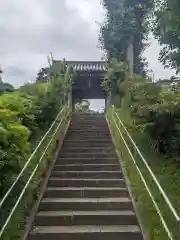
[155, 110]
[166, 28]
[116, 74]
[22, 114]
[14, 146]
[4, 87]
[126, 21]
[42, 75]
[83, 106]
[165, 170]
[23, 105]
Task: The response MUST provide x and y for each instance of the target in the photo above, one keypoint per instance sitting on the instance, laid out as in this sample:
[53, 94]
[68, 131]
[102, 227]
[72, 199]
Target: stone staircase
[86, 196]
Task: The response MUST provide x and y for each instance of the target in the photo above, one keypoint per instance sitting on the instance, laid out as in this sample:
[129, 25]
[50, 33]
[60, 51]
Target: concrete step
[80, 182]
[85, 204]
[89, 134]
[85, 143]
[85, 125]
[87, 174]
[87, 137]
[90, 141]
[105, 131]
[103, 155]
[95, 232]
[76, 119]
[87, 192]
[86, 196]
[90, 125]
[80, 149]
[87, 161]
[89, 128]
[70, 218]
[86, 167]
[85, 119]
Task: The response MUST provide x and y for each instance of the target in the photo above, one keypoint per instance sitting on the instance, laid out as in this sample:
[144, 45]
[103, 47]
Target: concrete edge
[144, 232]
[43, 187]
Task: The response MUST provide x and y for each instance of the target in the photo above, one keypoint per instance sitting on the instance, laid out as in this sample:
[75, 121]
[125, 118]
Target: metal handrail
[163, 194]
[29, 160]
[34, 171]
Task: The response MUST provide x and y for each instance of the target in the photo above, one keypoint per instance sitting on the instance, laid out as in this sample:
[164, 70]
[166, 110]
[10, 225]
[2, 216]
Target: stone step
[87, 174]
[95, 232]
[70, 218]
[97, 117]
[80, 122]
[104, 155]
[89, 128]
[86, 196]
[90, 141]
[88, 137]
[87, 161]
[80, 182]
[87, 192]
[80, 149]
[92, 123]
[84, 126]
[85, 204]
[85, 119]
[89, 131]
[85, 143]
[86, 167]
[91, 134]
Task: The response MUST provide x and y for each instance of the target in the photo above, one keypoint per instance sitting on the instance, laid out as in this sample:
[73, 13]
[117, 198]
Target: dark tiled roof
[88, 66]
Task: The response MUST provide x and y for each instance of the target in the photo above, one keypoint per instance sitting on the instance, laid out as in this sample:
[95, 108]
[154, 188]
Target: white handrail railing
[163, 194]
[34, 170]
[29, 160]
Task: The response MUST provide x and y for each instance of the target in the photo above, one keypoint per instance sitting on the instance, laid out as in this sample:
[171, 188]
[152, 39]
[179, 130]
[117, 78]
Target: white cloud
[30, 30]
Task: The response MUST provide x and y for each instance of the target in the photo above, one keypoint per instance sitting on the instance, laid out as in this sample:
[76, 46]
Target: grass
[18, 222]
[166, 171]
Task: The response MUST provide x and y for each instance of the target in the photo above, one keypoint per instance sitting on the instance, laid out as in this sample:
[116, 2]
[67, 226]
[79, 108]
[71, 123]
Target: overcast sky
[31, 29]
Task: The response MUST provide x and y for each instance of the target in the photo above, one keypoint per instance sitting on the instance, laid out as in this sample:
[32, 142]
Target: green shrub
[14, 147]
[23, 115]
[155, 111]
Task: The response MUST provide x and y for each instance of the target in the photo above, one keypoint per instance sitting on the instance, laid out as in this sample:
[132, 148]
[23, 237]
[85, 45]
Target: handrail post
[70, 99]
[109, 100]
[178, 226]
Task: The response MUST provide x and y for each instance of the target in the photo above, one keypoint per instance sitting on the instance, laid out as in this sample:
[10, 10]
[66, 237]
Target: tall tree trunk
[130, 55]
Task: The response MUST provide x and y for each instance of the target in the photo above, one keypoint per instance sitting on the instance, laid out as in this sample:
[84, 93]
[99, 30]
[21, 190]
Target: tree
[166, 29]
[83, 106]
[42, 75]
[126, 22]
[4, 87]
